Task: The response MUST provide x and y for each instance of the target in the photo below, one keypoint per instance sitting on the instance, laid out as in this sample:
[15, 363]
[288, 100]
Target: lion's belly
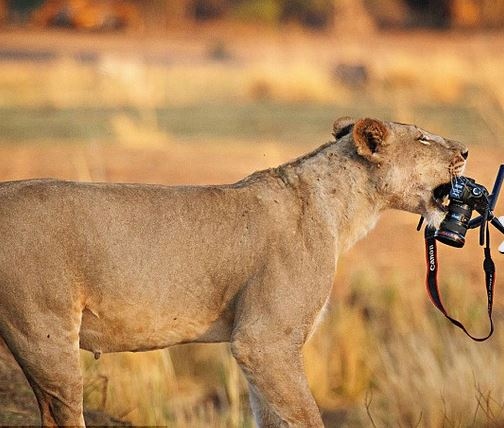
[140, 333]
[141, 317]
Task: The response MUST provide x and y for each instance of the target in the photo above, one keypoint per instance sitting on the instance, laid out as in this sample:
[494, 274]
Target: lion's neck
[340, 188]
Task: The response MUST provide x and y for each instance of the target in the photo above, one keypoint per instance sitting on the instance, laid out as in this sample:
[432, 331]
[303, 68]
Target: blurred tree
[344, 16]
[19, 11]
[155, 13]
[210, 9]
[477, 13]
[267, 11]
[178, 9]
[352, 16]
[388, 13]
[429, 13]
[410, 13]
[88, 15]
[317, 14]
[3, 11]
[492, 12]
[465, 13]
[310, 13]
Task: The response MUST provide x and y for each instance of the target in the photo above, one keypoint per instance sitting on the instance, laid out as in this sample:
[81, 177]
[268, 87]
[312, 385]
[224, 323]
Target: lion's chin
[434, 217]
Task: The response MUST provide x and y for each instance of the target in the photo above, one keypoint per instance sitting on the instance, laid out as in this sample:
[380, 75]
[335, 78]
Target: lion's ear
[369, 137]
[342, 126]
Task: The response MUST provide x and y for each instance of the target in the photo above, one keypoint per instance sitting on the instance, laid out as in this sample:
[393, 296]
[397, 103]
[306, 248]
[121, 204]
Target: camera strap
[432, 284]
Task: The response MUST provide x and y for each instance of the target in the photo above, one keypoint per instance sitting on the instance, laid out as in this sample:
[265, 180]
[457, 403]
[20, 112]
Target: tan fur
[130, 267]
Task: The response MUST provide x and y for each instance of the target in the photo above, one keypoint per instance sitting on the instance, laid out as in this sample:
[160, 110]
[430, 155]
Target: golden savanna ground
[210, 107]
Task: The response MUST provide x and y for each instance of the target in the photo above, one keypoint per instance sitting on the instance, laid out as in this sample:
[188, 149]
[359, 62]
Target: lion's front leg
[264, 415]
[280, 394]
[274, 315]
[271, 326]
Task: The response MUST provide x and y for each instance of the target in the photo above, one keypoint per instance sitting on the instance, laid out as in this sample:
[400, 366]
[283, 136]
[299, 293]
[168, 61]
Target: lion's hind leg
[48, 352]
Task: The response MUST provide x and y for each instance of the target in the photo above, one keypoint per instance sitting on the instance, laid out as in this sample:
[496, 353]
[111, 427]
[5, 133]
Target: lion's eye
[424, 139]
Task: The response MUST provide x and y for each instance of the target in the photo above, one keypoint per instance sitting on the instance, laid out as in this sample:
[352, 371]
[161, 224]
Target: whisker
[452, 178]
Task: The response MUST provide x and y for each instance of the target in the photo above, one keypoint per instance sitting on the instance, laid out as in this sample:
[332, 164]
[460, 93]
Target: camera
[465, 196]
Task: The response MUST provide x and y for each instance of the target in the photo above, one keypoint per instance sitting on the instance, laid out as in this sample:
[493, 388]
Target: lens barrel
[453, 228]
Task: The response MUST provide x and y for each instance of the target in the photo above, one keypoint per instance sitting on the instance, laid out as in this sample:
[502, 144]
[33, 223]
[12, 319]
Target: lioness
[131, 267]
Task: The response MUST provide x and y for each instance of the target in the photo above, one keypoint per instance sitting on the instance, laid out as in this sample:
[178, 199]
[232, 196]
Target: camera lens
[454, 226]
[447, 237]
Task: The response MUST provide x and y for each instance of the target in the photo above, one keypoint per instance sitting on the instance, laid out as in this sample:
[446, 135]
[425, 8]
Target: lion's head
[412, 168]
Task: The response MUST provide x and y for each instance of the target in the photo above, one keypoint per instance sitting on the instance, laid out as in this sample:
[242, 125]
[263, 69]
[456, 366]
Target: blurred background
[208, 91]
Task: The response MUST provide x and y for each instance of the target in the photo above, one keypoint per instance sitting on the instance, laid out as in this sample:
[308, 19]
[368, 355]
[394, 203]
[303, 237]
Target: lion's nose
[465, 153]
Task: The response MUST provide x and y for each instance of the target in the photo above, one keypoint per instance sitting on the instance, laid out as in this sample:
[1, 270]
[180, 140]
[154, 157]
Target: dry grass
[161, 395]
[382, 356]
[392, 359]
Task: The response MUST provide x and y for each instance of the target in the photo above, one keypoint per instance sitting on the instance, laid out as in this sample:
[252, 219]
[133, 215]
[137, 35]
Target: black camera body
[465, 196]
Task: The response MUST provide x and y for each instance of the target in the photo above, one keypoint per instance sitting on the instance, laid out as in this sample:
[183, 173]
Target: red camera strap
[432, 285]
